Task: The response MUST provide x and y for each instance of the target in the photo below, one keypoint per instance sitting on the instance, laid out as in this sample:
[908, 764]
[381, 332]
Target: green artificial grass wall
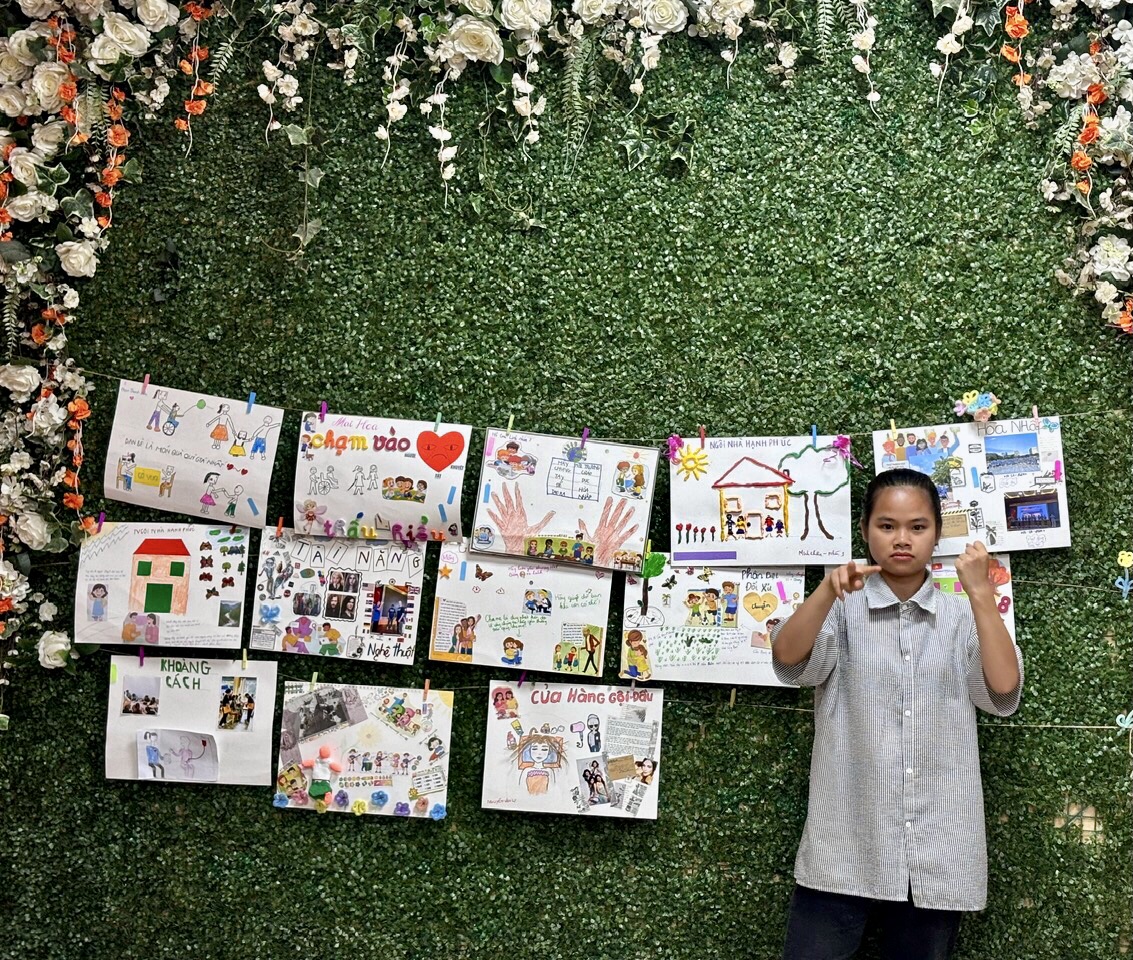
[816, 264]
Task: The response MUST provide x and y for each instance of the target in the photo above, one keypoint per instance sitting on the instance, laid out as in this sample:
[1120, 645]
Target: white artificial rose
[48, 415]
[864, 40]
[13, 103]
[156, 14]
[962, 25]
[20, 380]
[1105, 292]
[20, 44]
[48, 137]
[88, 9]
[77, 257]
[650, 57]
[482, 8]
[32, 530]
[664, 16]
[265, 94]
[132, 38]
[788, 55]
[271, 71]
[396, 110]
[47, 611]
[288, 85]
[23, 163]
[45, 85]
[594, 11]
[734, 10]
[948, 45]
[12, 69]
[1112, 255]
[27, 207]
[525, 15]
[104, 50]
[38, 9]
[476, 39]
[53, 649]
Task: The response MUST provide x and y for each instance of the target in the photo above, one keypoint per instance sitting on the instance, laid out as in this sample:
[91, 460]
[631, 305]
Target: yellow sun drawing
[692, 462]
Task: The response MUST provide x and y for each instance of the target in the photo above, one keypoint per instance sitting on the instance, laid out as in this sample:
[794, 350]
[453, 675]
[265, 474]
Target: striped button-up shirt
[896, 802]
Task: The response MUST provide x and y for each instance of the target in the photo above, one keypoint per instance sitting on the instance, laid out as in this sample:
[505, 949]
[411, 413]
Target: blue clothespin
[251, 400]
[814, 435]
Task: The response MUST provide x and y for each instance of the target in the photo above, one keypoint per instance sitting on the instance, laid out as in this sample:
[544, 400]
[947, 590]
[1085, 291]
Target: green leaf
[637, 151]
[78, 206]
[13, 252]
[297, 135]
[305, 232]
[132, 170]
[311, 176]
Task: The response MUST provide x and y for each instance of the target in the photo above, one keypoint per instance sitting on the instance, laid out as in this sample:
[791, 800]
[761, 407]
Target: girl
[895, 826]
[98, 601]
[219, 426]
[151, 628]
[207, 498]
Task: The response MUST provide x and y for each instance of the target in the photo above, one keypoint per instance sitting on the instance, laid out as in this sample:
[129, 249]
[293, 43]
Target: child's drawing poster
[181, 720]
[557, 499]
[945, 579]
[519, 613]
[379, 477]
[1002, 481]
[192, 453]
[337, 598]
[162, 584]
[705, 624]
[357, 749]
[573, 748]
[760, 501]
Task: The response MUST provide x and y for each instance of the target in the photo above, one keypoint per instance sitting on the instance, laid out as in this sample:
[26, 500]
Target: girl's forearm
[997, 652]
[795, 640]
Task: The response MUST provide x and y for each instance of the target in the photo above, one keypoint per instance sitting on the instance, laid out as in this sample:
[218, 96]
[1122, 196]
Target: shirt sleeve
[984, 698]
[823, 658]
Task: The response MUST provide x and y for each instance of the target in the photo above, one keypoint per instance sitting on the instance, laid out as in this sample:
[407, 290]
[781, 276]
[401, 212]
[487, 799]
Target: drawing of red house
[159, 576]
[753, 500]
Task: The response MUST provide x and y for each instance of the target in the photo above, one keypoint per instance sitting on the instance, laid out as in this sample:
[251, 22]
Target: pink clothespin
[585, 437]
[322, 411]
[145, 384]
[425, 695]
[702, 436]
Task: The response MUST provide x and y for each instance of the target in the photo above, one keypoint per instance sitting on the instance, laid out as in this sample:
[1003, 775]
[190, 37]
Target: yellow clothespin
[314, 680]
[892, 429]
[243, 659]
[732, 702]
[510, 423]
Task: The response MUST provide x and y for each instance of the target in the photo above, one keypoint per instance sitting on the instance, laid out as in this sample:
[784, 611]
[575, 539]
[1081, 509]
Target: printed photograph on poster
[519, 613]
[365, 750]
[759, 501]
[188, 720]
[379, 478]
[1001, 481]
[192, 453]
[705, 624]
[337, 598]
[556, 499]
[162, 584]
[573, 749]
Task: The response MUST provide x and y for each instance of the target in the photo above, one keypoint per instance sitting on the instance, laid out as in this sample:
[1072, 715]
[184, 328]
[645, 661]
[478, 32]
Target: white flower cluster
[298, 31]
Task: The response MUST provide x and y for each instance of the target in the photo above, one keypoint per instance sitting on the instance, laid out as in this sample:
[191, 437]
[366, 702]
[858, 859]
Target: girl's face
[647, 767]
[539, 752]
[901, 532]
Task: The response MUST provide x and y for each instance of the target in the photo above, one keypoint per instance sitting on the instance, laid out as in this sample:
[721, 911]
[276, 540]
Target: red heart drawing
[439, 452]
[230, 467]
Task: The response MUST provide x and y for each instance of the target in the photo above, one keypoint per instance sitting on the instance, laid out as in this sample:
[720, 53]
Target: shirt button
[908, 713]
[908, 770]
[907, 656]
[908, 824]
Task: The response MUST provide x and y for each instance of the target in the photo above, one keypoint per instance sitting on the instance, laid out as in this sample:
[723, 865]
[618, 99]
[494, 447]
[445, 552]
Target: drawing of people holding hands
[220, 427]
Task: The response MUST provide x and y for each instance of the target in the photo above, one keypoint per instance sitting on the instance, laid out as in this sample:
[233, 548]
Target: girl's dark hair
[902, 477]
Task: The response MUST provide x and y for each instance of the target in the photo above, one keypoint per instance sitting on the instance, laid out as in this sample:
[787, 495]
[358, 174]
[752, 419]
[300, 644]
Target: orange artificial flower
[113, 110]
[181, 124]
[73, 501]
[1095, 47]
[7, 151]
[1016, 26]
[89, 524]
[1009, 53]
[3, 188]
[103, 199]
[69, 114]
[68, 89]
[3, 627]
[71, 479]
[198, 12]
[78, 138]
[39, 335]
[184, 66]
[1095, 94]
[79, 408]
[65, 55]
[103, 221]
[111, 176]
[1081, 161]
[118, 94]
[199, 54]
[6, 237]
[203, 88]
[5, 217]
[118, 135]
[5, 604]
[195, 107]
[1021, 79]
[1089, 133]
[1083, 186]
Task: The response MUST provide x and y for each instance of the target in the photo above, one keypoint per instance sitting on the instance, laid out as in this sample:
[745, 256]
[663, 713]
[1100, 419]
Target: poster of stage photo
[162, 584]
[346, 748]
[564, 501]
[573, 749]
[335, 597]
[192, 453]
[377, 477]
[519, 613]
[705, 624]
[187, 720]
[760, 501]
[1001, 481]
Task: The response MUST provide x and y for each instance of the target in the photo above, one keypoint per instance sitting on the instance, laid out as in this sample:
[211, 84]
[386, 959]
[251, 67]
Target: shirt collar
[878, 595]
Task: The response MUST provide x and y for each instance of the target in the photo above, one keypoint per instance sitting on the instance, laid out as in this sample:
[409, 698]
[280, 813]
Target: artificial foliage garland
[77, 77]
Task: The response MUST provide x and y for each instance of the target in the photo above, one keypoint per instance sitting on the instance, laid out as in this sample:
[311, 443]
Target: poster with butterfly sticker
[379, 477]
[356, 599]
[561, 500]
[192, 453]
[706, 624]
[1002, 481]
[522, 614]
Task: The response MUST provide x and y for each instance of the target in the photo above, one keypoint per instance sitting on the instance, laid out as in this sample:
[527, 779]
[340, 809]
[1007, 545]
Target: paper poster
[374, 477]
[573, 748]
[704, 624]
[356, 749]
[337, 598]
[1002, 482]
[519, 613]
[162, 584]
[192, 453]
[760, 501]
[557, 499]
[181, 720]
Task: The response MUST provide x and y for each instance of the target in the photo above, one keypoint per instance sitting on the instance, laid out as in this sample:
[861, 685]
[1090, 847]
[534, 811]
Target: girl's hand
[849, 578]
[973, 568]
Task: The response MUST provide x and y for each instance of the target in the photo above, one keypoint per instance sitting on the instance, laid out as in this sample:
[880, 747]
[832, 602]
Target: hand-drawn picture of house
[753, 501]
[159, 578]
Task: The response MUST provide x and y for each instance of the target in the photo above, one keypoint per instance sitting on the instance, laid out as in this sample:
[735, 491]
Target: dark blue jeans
[829, 926]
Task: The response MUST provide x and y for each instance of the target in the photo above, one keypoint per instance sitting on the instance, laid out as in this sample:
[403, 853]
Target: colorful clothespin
[252, 506]
[145, 384]
[243, 659]
[322, 411]
[892, 429]
[702, 436]
[732, 701]
[437, 423]
[251, 400]
[522, 677]
[425, 695]
[814, 435]
[101, 520]
[585, 437]
[510, 422]
[314, 680]
[279, 529]
[141, 656]
[1035, 416]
